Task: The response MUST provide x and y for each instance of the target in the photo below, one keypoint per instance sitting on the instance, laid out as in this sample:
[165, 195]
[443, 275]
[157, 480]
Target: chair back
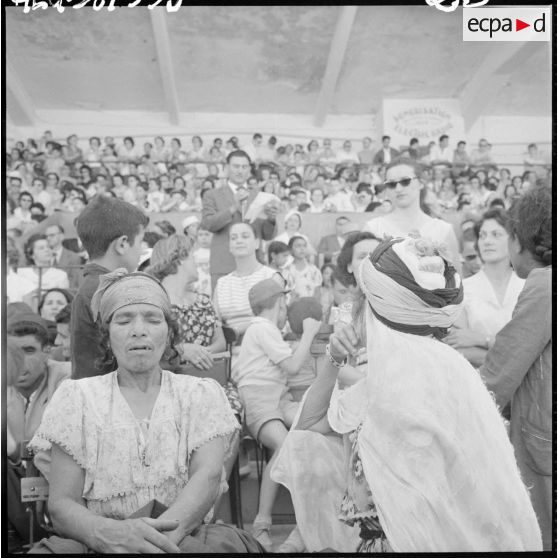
[219, 371]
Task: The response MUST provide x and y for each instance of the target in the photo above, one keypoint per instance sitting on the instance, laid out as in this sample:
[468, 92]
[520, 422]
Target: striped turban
[410, 293]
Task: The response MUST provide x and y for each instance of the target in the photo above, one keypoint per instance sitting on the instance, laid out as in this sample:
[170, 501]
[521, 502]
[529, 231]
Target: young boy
[278, 255]
[304, 278]
[111, 231]
[279, 258]
[261, 372]
[297, 312]
[201, 257]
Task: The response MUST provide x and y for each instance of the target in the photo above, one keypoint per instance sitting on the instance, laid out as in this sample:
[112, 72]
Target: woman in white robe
[426, 464]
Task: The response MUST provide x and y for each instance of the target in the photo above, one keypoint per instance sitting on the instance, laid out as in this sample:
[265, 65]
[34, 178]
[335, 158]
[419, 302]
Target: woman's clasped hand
[199, 356]
[141, 535]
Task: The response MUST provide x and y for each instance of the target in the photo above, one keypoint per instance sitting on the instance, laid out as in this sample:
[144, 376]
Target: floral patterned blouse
[196, 322]
[126, 461]
[357, 505]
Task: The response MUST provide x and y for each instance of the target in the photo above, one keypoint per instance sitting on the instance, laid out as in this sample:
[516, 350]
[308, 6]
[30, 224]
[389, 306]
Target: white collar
[234, 187]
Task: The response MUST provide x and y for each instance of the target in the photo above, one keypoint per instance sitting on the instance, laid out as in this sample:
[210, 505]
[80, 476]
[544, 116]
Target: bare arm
[314, 411]
[73, 520]
[197, 497]
[294, 363]
[218, 343]
[471, 344]
[453, 247]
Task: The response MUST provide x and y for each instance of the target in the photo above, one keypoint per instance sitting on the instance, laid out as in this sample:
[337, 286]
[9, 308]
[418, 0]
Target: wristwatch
[333, 361]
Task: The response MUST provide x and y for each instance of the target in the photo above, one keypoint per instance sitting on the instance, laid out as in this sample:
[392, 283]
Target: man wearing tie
[62, 257]
[227, 205]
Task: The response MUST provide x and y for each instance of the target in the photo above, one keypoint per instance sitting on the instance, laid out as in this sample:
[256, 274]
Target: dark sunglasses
[392, 184]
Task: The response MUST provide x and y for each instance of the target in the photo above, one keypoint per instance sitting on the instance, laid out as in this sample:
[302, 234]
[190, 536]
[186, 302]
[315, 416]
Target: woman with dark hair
[39, 271]
[510, 194]
[231, 291]
[490, 295]
[137, 454]
[518, 368]
[165, 228]
[52, 302]
[357, 247]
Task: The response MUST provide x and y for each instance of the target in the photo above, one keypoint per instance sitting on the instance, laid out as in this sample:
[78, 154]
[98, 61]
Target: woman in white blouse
[490, 295]
[137, 453]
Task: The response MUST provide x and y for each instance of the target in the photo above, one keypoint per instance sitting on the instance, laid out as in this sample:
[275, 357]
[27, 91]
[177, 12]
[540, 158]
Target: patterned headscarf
[120, 288]
[400, 302]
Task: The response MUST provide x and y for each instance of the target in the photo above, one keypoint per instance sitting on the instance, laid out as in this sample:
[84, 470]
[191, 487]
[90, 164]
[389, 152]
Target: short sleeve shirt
[262, 350]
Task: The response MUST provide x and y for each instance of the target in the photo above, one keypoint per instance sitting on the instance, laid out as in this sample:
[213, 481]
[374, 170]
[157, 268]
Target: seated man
[62, 344]
[33, 381]
[331, 244]
[262, 367]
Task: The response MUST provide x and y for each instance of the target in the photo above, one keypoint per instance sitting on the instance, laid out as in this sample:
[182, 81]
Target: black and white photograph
[278, 278]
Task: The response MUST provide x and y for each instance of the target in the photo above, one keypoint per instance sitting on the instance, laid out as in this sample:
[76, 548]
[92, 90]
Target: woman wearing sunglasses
[402, 188]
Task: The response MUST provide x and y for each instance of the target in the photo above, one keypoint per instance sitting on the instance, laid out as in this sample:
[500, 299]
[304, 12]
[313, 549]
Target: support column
[164, 59]
[334, 62]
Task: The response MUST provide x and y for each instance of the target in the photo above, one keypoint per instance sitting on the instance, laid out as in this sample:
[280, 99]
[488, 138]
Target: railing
[34, 296]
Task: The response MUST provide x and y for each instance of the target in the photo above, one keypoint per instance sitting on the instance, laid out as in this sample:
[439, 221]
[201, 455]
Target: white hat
[190, 220]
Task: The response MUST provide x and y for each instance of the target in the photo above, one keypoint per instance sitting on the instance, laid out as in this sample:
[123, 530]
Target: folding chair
[233, 339]
[220, 372]
[34, 492]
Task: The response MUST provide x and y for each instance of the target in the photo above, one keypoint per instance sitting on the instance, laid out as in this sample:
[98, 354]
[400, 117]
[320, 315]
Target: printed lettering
[536, 27]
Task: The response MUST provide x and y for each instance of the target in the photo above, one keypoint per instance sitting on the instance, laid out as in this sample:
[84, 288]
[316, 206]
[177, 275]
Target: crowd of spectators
[49, 175]
[457, 198]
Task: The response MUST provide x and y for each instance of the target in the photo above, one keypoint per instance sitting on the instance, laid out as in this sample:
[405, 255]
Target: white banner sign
[424, 119]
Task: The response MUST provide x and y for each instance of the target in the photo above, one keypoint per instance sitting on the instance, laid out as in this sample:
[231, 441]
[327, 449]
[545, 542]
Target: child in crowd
[190, 226]
[264, 363]
[111, 231]
[279, 258]
[201, 257]
[343, 296]
[297, 312]
[304, 278]
[278, 255]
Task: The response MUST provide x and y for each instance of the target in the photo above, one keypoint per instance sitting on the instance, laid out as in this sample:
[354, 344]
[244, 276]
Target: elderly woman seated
[137, 454]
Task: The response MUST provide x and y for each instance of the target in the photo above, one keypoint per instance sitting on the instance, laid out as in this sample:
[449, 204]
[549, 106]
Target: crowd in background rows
[49, 175]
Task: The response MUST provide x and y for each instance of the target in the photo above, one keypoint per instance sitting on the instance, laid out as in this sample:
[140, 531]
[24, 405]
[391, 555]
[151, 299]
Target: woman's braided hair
[168, 254]
[531, 222]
